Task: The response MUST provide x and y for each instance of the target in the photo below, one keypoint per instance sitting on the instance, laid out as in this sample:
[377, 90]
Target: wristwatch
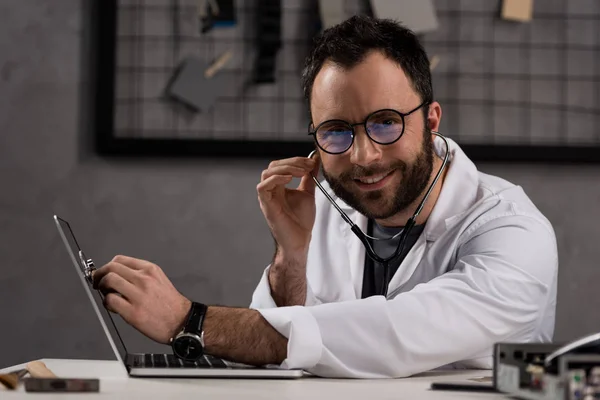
[189, 343]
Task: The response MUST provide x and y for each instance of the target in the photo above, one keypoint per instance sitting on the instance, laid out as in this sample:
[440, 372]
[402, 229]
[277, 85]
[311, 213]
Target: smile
[373, 182]
[373, 179]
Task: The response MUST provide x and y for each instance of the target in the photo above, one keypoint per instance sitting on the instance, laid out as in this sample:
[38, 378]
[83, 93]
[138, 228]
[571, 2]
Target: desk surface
[115, 384]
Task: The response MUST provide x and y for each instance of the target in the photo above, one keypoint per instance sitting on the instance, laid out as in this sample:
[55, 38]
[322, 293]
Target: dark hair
[347, 44]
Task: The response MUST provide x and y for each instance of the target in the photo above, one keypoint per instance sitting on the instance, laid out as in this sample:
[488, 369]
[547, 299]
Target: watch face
[187, 347]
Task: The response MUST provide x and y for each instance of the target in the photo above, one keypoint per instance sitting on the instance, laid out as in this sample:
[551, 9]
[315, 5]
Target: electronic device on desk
[549, 371]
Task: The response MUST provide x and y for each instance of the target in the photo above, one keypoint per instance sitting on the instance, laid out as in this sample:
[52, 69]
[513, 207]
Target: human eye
[385, 118]
[385, 126]
[334, 136]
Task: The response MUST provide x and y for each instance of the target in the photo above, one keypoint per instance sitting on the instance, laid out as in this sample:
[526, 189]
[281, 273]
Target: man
[479, 265]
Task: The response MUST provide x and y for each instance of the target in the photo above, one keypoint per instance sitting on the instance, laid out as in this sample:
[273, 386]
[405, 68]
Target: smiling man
[430, 265]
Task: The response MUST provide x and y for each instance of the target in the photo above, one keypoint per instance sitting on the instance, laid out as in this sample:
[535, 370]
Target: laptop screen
[82, 266]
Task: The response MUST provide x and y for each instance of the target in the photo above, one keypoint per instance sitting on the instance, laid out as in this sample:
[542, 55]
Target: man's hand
[140, 292]
[290, 213]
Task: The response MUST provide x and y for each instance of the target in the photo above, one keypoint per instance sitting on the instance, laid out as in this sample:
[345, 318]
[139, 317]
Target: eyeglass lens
[383, 127]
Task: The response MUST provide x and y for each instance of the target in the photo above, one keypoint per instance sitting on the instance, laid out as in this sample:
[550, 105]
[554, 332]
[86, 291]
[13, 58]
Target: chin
[378, 212]
[377, 204]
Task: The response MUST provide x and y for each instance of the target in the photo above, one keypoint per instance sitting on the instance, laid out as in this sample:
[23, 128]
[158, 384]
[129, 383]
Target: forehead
[351, 93]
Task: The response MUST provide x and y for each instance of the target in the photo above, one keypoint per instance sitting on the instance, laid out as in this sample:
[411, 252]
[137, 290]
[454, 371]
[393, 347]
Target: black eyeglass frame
[313, 133]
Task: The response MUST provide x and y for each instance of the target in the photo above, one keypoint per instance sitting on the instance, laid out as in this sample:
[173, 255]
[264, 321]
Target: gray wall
[199, 219]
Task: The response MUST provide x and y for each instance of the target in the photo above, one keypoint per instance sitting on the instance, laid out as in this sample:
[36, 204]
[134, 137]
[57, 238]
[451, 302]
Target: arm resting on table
[498, 290]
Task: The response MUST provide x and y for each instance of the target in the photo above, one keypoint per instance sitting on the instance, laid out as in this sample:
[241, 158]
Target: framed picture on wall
[509, 92]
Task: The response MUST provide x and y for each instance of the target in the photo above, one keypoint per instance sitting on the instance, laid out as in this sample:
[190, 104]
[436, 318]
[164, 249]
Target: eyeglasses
[386, 126]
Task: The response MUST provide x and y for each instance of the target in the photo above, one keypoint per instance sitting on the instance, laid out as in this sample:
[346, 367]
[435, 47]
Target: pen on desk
[12, 379]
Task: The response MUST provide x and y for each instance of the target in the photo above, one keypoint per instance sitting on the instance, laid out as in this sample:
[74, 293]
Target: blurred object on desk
[37, 369]
[12, 379]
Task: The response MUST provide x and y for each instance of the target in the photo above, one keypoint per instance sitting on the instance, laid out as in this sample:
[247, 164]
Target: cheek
[334, 166]
[406, 149]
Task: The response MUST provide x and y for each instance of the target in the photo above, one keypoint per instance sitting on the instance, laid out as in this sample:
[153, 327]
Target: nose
[364, 151]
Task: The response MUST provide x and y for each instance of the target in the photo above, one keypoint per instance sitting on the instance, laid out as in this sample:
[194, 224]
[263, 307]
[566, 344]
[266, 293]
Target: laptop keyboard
[170, 361]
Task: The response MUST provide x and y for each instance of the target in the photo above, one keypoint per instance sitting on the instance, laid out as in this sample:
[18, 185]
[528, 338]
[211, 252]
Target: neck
[400, 218]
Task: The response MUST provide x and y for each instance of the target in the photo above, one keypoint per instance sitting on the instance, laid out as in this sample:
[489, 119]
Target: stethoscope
[364, 238]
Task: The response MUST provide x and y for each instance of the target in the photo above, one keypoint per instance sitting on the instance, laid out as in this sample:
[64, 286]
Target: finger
[113, 282]
[285, 170]
[117, 304]
[118, 268]
[266, 187]
[307, 183]
[131, 262]
[296, 161]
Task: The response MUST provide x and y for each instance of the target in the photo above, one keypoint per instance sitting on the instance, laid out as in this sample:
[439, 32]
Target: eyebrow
[397, 109]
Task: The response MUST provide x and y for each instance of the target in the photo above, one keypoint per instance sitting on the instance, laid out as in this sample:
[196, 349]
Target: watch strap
[195, 318]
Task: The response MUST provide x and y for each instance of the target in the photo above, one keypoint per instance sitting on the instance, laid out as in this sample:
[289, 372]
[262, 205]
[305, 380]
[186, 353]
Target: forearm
[242, 335]
[287, 279]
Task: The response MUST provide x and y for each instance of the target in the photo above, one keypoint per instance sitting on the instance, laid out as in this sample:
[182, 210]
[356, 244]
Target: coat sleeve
[497, 290]
[261, 298]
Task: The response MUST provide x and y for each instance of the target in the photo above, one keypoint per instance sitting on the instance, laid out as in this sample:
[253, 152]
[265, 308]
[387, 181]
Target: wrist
[188, 343]
[182, 317]
[287, 280]
[297, 256]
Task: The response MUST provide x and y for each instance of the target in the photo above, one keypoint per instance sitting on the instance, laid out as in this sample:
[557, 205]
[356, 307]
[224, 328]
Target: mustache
[360, 172]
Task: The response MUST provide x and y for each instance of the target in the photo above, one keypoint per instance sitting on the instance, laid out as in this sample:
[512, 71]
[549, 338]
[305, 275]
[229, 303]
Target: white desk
[115, 385]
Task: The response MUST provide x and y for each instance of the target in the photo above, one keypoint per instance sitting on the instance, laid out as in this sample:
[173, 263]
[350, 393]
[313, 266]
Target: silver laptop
[156, 365]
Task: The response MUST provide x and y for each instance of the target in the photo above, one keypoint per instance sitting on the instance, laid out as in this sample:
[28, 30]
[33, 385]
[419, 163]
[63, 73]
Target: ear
[435, 116]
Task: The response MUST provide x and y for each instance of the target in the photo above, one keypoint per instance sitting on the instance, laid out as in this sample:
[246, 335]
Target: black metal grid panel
[152, 42]
[509, 91]
[532, 84]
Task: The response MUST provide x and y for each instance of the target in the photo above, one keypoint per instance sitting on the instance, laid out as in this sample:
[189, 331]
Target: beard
[388, 201]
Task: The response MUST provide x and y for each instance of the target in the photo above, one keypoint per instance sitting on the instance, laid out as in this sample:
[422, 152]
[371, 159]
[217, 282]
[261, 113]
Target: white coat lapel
[408, 266]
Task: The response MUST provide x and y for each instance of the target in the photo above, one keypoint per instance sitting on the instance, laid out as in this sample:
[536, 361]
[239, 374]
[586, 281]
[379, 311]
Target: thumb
[307, 183]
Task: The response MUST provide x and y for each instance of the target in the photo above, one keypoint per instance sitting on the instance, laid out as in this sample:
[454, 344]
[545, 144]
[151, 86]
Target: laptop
[156, 365]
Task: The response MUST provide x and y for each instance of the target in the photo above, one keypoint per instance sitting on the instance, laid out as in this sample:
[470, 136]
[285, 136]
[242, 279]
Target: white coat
[484, 270]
